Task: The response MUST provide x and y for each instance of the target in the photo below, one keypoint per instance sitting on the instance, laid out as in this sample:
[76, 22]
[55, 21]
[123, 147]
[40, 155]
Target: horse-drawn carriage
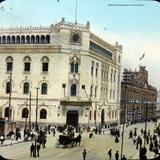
[68, 141]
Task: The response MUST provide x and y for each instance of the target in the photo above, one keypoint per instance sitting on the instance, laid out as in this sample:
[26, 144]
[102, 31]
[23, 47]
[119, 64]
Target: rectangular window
[8, 88]
[9, 66]
[95, 91]
[45, 67]
[91, 90]
[27, 67]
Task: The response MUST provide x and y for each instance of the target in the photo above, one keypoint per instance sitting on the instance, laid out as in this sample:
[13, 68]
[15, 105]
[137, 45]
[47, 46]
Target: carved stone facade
[138, 97]
[77, 74]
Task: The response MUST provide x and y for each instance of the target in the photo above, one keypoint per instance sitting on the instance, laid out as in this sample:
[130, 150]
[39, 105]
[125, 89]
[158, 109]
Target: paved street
[97, 148]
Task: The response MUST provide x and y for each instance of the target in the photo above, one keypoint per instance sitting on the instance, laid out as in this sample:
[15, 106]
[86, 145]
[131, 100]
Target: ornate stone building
[71, 75]
[138, 97]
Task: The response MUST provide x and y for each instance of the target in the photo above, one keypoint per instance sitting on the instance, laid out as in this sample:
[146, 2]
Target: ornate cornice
[21, 48]
[102, 42]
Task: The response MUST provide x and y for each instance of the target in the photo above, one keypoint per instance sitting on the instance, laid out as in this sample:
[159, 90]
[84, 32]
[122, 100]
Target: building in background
[138, 97]
[76, 74]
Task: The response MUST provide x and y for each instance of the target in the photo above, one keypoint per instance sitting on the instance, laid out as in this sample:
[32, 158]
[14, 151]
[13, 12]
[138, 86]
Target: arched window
[74, 67]
[90, 115]
[32, 39]
[92, 68]
[37, 39]
[8, 39]
[9, 63]
[47, 39]
[73, 90]
[97, 65]
[42, 39]
[6, 112]
[43, 114]
[4, 39]
[44, 88]
[26, 88]
[45, 62]
[95, 115]
[23, 39]
[13, 39]
[8, 87]
[112, 114]
[27, 39]
[27, 63]
[25, 113]
[18, 39]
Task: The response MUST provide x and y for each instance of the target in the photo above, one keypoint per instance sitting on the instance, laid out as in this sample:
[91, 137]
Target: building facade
[138, 97]
[68, 73]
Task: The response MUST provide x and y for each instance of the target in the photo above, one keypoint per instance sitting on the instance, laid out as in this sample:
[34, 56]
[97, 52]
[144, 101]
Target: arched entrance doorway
[102, 116]
[72, 118]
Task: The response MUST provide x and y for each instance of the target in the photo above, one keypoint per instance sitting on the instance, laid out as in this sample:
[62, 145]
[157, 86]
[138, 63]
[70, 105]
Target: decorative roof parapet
[24, 29]
[102, 42]
[70, 25]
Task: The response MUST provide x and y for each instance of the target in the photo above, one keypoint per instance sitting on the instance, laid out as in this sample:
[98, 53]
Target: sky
[133, 23]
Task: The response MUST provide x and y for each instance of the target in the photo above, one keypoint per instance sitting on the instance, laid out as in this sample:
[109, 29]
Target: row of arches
[25, 39]
[25, 113]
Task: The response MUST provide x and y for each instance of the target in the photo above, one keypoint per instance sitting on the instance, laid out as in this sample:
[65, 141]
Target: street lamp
[36, 128]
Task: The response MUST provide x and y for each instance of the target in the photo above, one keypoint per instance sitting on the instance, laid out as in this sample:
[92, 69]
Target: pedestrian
[2, 139]
[32, 148]
[117, 155]
[124, 158]
[110, 154]
[38, 148]
[84, 153]
[12, 138]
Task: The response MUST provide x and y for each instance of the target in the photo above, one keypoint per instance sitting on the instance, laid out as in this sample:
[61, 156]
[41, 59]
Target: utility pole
[126, 79]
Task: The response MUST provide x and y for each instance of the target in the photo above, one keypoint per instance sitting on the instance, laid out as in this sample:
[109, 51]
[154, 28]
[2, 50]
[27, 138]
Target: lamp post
[30, 110]
[89, 98]
[10, 96]
[146, 119]
[36, 128]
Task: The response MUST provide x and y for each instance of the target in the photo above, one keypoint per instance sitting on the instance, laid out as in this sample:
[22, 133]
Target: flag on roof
[142, 56]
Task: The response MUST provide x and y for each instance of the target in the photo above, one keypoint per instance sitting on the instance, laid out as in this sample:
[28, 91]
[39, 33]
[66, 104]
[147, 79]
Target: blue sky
[133, 23]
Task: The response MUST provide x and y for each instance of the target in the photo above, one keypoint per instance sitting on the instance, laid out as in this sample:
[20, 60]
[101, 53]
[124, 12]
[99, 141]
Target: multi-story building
[68, 73]
[138, 97]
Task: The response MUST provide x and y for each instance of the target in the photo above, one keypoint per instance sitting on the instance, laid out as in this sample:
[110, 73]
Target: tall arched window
[112, 114]
[8, 39]
[27, 39]
[25, 113]
[23, 39]
[45, 63]
[4, 39]
[37, 39]
[9, 63]
[43, 114]
[74, 67]
[44, 88]
[97, 65]
[13, 39]
[6, 112]
[26, 88]
[42, 39]
[92, 68]
[47, 38]
[27, 63]
[95, 115]
[18, 39]
[90, 115]
[32, 39]
[8, 87]
[73, 90]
